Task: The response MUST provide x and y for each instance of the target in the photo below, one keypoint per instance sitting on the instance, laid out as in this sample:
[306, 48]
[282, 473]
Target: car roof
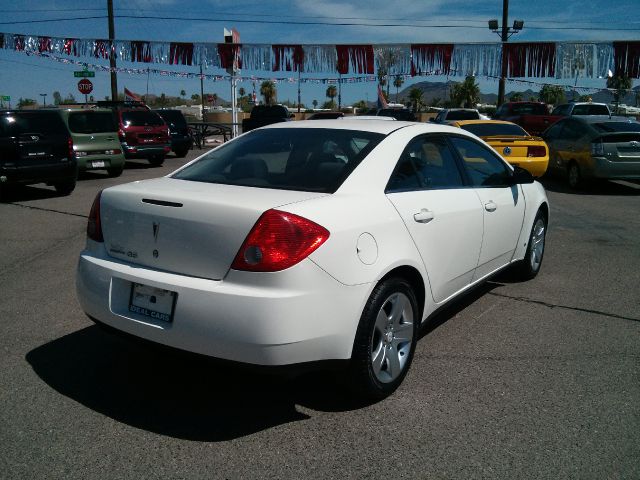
[602, 119]
[384, 127]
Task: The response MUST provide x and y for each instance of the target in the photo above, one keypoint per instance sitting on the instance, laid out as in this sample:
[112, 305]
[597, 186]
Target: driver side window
[483, 167]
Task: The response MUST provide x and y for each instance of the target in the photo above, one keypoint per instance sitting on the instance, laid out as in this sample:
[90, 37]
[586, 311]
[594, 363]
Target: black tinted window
[572, 131]
[608, 127]
[426, 163]
[483, 166]
[92, 122]
[590, 110]
[494, 129]
[463, 115]
[43, 122]
[529, 109]
[173, 117]
[553, 131]
[141, 118]
[307, 159]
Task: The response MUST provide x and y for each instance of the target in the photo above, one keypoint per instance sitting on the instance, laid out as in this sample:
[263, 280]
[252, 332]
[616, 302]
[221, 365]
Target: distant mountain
[440, 90]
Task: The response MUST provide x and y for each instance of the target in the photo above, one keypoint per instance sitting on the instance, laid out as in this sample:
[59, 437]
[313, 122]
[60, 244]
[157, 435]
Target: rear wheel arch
[414, 277]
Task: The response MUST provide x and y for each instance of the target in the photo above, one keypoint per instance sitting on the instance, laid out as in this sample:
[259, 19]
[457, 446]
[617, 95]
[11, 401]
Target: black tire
[372, 345]
[575, 177]
[66, 187]
[115, 171]
[156, 160]
[528, 268]
[181, 153]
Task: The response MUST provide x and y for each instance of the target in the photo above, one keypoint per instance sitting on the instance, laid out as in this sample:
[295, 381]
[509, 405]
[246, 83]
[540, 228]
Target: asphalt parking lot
[538, 379]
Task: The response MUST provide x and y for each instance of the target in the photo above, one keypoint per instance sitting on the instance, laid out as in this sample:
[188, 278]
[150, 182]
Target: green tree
[620, 84]
[162, 100]
[57, 98]
[268, 92]
[26, 102]
[68, 100]
[415, 95]
[516, 97]
[331, 93]
[315, 103]
[195, 97]
[552, 94]
[435, 101]
[466, 93]
[361, 105]
[242, 92]
[397, 82]
[183, 93]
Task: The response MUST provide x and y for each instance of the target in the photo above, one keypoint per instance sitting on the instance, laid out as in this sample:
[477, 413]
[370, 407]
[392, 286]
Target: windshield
[463, 115]
[610, 127]
[141, 118]
[590, 110]
[305, 159]
[43, 122]
[494, 129]
[92, 122]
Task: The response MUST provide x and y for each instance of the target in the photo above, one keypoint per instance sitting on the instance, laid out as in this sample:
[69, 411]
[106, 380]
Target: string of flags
[560, 60]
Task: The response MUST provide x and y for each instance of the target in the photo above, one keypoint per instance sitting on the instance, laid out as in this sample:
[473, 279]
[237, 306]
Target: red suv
[143, 133]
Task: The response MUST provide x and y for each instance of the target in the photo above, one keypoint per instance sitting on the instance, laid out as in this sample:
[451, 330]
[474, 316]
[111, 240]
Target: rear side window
[610, 127]
[463, 115]
[92, 122]
[484, 167]
[305, 159]
[590, 110]
[43, 122]
[141, 118]
[426, 163]
[173, 117]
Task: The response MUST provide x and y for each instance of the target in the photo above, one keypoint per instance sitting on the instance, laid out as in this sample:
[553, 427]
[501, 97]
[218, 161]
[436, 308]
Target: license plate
[155, 303]
[97, 164]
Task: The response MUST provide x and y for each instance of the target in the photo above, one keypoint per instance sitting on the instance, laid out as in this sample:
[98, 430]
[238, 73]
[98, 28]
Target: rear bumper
[614, 170]
[296, 316]
[536, 166]
[145, 151]
[47, 173]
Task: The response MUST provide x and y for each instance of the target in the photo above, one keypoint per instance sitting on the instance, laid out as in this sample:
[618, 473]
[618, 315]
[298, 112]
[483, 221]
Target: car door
[552, 137]
[568, 143]
[442, 214]
[502, 203]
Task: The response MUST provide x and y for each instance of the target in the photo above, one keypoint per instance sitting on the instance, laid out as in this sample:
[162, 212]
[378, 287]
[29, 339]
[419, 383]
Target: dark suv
[181, 141]
[35, 147]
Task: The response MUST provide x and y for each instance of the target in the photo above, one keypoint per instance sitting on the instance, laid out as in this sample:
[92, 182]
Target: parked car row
[53, 146]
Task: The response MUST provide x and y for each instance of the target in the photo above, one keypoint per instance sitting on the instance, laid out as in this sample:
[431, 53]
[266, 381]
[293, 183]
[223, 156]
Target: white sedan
[301, 242]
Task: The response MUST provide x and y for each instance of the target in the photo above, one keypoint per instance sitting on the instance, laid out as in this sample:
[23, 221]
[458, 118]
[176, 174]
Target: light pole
[505, 33]
[112, 53]
[44, 99]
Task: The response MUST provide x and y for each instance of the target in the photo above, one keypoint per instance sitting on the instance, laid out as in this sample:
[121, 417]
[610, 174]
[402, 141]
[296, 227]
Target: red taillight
[94, 226]
[72, 153]
[536, 151]
[278, 241]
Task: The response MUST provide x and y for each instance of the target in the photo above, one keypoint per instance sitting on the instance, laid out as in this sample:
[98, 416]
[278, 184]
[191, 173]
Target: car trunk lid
[186, 227]
[623, 146]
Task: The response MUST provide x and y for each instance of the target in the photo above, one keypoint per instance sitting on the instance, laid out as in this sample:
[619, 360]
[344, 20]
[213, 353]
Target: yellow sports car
[512, 142]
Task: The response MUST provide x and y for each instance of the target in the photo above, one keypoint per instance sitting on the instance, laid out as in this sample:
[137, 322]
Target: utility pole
[202, 92]
[44, 99]
[299, 69]
[504, 37]
[112, 53]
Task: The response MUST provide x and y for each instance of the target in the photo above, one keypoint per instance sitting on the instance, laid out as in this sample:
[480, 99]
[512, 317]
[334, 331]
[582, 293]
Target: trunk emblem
[147, 129]
[507, 151]
[35, 138]
[156, 230]
[634, 144]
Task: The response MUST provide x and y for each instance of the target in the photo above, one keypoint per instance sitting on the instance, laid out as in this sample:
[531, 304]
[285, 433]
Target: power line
[16, 22]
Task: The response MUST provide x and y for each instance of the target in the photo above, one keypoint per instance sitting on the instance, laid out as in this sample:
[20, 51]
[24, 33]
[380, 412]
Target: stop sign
[85, 86]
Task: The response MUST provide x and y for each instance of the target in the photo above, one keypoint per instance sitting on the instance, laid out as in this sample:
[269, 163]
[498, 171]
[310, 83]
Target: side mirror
[521, 176]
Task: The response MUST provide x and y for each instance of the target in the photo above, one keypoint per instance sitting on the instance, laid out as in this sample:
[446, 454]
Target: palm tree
[415, 95]
[620, 84]
[397, 82]
[182, 93]
[516, 97]
[268, 91]
[332, 92]
[552, 94]
[241, 92]
[315, 103]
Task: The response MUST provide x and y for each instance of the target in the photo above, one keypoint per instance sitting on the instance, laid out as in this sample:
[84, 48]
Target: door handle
[424, 216]
[490, 206]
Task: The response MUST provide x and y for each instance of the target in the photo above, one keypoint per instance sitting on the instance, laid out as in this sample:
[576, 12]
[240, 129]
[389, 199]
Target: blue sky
[552, 20]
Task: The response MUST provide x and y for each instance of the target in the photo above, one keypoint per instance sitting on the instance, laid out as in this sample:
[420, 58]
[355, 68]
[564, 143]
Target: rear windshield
[590, 110]
[529, 109]
[92, 122]
[463, 115]
[305, 159]
[397, 114]
[494, 129]
[174, 117]
[609, 127]
[17, 123]
[141, 118]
